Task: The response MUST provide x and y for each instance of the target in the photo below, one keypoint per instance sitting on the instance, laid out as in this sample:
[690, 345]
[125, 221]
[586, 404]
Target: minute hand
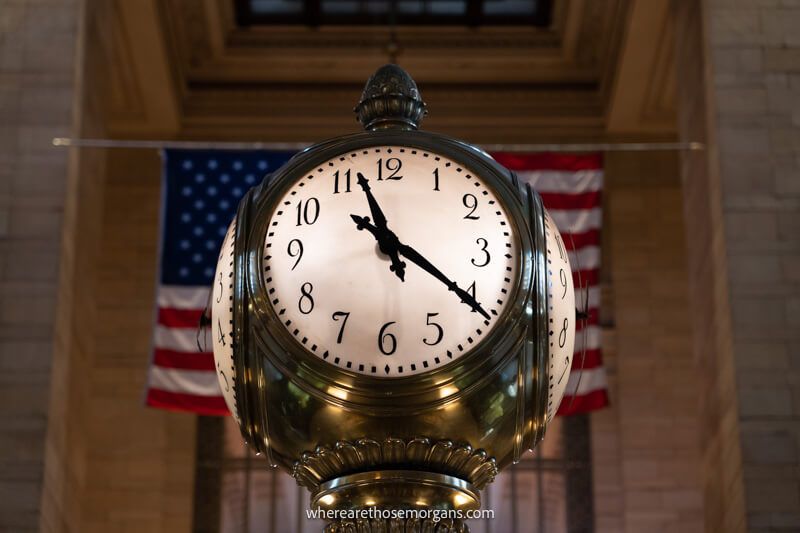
[415, 257]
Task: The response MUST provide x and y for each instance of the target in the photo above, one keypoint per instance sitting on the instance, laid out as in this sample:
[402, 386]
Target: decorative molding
[442, 457]
[392, 525]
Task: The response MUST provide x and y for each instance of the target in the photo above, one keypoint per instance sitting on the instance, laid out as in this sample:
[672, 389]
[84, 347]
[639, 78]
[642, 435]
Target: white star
[199, 177]
[237, 165]
[183, 272]
[198, 231]
[212, 191]
[208, 272]
[262, 165]
[185, 245]
[199, 204]
[187, 164]
[212, 164]
[186, 217]
[250, 179]
[211, 217]
[187, 191]
[224, 178]
[197, 258]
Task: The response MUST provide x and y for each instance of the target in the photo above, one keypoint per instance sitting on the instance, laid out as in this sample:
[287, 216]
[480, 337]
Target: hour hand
[387, 242]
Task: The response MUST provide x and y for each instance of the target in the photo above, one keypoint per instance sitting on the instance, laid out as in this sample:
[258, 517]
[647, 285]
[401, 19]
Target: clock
[385, 295]
[390, 261]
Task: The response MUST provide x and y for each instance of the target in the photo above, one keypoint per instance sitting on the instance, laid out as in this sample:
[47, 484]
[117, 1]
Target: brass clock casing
[354, 439]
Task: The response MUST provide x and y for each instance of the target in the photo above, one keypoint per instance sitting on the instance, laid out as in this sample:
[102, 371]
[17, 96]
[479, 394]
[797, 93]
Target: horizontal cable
[223, 145]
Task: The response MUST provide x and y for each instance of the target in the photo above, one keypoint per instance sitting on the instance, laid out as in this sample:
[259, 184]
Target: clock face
[561, 315]
[390, 261]
[222, 321]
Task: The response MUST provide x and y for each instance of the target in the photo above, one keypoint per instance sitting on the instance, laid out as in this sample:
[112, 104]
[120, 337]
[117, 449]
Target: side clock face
[390, 261]
[222, 321]
[561, 315]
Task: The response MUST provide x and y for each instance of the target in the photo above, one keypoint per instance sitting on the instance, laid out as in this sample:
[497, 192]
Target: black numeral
[561, 251]
[305, 291]
[562, 336]
[470, 202]
[296, 251]
[471, 291]
[219, 296]
[383, 336]
[335, 318]
[220, 335]
[436, 179]
[563, 278]
[336, 181]
[307, 213]
[392, 165]
[485, 252]
[439, 330]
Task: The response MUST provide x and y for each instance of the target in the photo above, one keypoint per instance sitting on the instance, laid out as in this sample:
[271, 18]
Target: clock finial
[390, 99]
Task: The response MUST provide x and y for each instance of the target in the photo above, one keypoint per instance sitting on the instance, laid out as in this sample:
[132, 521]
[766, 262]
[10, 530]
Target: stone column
[37, 76]
[739, 76]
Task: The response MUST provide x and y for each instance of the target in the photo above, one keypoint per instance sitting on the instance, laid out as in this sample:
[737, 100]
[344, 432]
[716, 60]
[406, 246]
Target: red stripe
[184, 360]
[580, 240]
[549, 161]
[560, 201]
[175, 401]
[179, 318]
[587, 277]
[593, 359]
[591, 401]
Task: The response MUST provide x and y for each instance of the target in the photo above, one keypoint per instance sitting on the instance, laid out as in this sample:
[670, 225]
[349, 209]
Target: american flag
[202, 189]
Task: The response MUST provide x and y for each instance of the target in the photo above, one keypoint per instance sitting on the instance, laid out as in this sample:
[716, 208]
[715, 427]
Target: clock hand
[387, 242]
[412, 255]
[384, 234]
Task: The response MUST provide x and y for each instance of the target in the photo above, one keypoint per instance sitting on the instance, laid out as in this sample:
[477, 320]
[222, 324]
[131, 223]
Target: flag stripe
[557, 181]
[577, 219]
[177, 339]
[574, 241]
[560, 200]
[186, 297]
[177, 401]
[586, 380]
[586, 403]
[549, 160]
[179, 318]
[198, 382]
[183, 360]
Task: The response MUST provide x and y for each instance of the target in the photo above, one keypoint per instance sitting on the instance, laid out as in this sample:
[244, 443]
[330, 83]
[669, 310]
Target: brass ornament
[345, 457]
[390, 100]
[410, 525]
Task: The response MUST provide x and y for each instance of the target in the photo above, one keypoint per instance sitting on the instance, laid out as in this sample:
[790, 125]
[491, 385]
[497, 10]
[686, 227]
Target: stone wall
[741, 64]
[755, 55]
[646, 459]
[37, 74]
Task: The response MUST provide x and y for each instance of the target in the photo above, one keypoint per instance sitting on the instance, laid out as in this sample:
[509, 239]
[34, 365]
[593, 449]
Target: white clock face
[222, 320]
[561, 315]
[390, 261]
